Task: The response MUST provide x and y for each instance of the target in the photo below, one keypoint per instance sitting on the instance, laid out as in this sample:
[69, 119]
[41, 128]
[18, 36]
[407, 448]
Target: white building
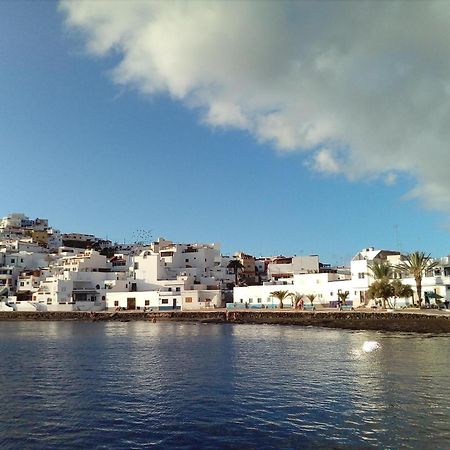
[76, 282]
[282, 267]
[325, 287]
[162, 274]
[361, 274]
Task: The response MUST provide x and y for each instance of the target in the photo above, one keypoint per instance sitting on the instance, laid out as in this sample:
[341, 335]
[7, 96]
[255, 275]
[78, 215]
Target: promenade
[421, 321]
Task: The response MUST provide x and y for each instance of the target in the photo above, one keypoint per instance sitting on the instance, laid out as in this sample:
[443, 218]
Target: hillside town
[43, 269]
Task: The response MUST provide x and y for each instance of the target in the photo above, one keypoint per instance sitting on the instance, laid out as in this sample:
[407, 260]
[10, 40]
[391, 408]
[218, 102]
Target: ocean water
[76, 385]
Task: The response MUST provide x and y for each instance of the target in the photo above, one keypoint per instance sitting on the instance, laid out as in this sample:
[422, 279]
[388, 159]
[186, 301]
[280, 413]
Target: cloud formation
[362, 87]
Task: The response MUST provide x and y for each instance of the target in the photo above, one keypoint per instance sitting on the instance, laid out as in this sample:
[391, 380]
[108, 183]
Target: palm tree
[416, 264]
[381, 289]
[343, 296]
[401, 290]
[311, 298]
[280, 295]
[381, 269]
[296, 298]
[236, 265]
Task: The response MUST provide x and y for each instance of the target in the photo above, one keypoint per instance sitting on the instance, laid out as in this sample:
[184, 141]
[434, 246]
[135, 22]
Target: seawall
[354, 320]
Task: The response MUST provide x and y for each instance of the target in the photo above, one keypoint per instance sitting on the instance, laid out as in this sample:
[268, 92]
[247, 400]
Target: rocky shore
[420, 322]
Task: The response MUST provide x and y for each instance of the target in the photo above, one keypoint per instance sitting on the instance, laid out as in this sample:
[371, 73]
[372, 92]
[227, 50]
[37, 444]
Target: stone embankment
[354, 320]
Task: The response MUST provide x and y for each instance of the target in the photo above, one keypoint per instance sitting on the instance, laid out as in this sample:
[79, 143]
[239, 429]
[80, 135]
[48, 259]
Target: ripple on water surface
[166, 385]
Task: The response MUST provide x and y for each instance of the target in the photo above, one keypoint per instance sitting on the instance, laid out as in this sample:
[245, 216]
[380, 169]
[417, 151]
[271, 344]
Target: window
[177, 289]
[259, 300]
[165, 301]
[188, 300]
[170, 289]
[147, 302]
[331, 294]
[361, 275]
[116, 302]
[22, 283]
[186, 260]
[13, 260]
[136, 265]
[250, 300]
[49, 301]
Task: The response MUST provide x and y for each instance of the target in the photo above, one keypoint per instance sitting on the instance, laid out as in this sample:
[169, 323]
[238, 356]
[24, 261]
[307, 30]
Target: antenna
[396, 239]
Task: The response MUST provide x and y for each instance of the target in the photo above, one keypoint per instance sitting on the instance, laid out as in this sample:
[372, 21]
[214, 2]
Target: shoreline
[417, 322]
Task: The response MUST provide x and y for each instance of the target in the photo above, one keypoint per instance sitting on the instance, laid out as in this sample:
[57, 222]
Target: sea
[138, 385]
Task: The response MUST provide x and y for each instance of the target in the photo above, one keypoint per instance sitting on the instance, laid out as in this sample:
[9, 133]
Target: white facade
[77, 282]
[202, 263]
[201, 299]
[325, 287]
[133, 300]
[13, 220]
[298, 265]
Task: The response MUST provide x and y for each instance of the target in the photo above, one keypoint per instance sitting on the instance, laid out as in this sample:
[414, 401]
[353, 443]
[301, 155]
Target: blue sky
[96, 156]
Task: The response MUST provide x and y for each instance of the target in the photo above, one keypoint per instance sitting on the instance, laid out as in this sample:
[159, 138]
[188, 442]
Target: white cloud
[370, 78]
[326, 162]
[390, 179]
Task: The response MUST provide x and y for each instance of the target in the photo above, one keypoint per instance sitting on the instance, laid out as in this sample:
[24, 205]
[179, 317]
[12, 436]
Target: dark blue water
[67, 385]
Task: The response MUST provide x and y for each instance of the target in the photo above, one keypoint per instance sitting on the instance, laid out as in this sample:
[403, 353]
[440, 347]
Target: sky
[272, 128]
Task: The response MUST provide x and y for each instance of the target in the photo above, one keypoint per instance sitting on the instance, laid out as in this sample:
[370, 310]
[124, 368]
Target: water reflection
[141, 384]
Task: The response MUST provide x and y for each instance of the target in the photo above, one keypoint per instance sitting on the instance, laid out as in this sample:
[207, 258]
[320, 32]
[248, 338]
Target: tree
[296, 298]
[311, 298]
[416, 264]
[381, 289]
[235, 265]
[401, 290]
[381, 269]
[343, 296]
[280, 295]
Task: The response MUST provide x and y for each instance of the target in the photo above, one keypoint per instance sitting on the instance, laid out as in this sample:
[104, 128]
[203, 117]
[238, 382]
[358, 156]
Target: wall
[140, 297]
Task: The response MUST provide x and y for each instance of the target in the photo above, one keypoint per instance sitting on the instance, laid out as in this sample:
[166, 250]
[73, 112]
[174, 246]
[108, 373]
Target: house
[325, 287]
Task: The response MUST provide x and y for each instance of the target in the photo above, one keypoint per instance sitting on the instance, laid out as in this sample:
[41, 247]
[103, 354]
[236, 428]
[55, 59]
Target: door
[174, 303]
[131, 303]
